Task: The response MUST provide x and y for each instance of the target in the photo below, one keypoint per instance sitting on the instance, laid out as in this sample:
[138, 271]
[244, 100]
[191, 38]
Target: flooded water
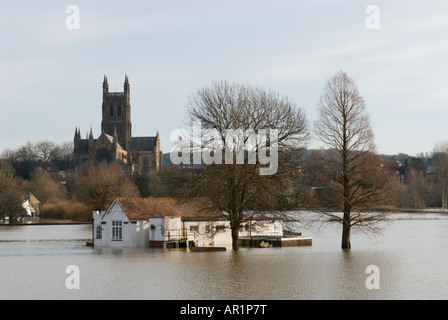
[411, 255]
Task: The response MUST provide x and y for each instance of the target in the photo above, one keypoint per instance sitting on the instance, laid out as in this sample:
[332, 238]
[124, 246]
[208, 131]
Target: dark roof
[83, 146]
[143, 143]
[143, 208]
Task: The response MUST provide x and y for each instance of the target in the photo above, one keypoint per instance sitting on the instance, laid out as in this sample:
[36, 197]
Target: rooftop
[143, 143]
[143, 208]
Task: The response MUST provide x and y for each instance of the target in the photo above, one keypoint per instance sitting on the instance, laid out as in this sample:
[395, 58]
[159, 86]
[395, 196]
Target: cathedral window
[119, 111]
[111, 111]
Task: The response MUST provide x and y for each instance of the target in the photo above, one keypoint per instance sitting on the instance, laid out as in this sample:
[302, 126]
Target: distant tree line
[25, 157]
[19, 176]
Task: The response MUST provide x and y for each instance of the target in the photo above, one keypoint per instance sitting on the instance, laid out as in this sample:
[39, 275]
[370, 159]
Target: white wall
[262, 228]
[138, 232]
[173, 227]
[209, 237]
[165, 228]
[134, 233]
[156, 226]
[213, 237]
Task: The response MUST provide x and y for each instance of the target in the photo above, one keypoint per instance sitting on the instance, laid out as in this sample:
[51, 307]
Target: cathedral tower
[116, 144]
[117, 114]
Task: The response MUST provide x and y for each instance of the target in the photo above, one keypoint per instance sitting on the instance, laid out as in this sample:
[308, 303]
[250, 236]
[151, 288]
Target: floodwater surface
[410, 256]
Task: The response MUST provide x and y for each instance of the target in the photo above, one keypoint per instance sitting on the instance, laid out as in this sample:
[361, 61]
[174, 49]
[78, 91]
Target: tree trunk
[444, 198]
[235, 232]
[346, 232]
[346, 185]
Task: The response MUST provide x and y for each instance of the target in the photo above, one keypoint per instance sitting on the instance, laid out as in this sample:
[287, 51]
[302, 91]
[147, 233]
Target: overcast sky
[51, 77]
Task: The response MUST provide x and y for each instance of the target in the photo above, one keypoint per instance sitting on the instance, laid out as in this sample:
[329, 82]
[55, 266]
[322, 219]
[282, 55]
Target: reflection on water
[410, 253]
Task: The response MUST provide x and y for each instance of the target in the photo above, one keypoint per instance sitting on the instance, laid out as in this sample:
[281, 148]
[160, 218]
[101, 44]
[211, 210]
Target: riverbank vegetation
[65, 210]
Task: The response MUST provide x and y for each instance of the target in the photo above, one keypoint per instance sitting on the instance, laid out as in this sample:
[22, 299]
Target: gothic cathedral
[116, 143]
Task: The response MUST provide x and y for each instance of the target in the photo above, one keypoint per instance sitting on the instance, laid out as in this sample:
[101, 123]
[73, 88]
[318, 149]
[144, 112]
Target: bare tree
[10, 197]
[440, 161]
[102, 184]
[358, 180]
[27, 152]
[62, 151]
[234, 183]
[43, 149]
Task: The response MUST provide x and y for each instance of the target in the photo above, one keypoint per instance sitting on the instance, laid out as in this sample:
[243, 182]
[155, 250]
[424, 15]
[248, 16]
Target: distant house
[57, 170]
[400, 172]
[162, 222]
[415, 170]
[31, 206]
[411, 171]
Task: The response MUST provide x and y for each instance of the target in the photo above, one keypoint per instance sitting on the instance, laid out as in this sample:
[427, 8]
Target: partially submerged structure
[31, 206]
[163, 222]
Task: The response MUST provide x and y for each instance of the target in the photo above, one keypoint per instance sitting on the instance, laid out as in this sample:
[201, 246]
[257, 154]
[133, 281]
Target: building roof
[108, 137]
[83, 146]
[143, 143]
[143, 208]
[33, 200]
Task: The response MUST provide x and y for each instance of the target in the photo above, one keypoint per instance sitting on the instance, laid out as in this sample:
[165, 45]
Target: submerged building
[163, 222]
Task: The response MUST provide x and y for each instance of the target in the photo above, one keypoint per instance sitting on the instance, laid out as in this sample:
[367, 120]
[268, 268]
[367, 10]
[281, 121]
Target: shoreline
[68, 222]
[428, 210]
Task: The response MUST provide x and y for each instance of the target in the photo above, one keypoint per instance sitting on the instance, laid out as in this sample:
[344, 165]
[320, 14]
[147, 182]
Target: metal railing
[175, 234]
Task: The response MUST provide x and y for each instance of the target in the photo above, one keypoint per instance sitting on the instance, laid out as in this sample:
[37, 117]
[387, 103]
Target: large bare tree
[357, 179]
[102, 183]
[237, 179]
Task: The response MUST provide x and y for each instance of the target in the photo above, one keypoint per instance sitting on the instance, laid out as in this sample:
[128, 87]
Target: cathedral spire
[105, 85]
[126, 85]
[76, 137]
[91, 134]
